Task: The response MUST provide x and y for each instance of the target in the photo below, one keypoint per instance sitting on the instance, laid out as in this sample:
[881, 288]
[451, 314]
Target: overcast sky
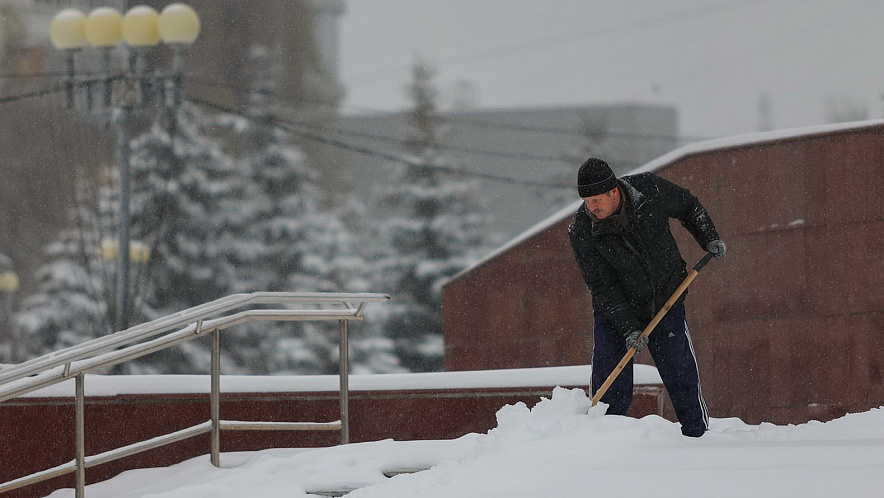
[710, 58]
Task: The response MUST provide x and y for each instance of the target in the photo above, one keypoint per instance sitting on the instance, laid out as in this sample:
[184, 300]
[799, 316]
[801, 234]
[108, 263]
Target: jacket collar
[630, 195]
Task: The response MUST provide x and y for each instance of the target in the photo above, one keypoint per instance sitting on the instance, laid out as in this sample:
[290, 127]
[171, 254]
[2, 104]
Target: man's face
[603, 205]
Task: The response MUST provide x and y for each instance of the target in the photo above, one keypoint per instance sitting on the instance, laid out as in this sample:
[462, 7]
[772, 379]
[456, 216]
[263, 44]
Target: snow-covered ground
[560, 448]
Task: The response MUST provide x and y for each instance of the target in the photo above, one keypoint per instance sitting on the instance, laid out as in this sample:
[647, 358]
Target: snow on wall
[527, 234]
[114, 385]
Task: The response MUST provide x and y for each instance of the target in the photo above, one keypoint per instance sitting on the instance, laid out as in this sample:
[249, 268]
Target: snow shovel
[650, 328]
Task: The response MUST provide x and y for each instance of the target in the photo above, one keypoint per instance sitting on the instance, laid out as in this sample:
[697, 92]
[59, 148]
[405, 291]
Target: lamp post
[8, 287]
[138, 31]
[104, 31]
[179, 27]
[67, 32]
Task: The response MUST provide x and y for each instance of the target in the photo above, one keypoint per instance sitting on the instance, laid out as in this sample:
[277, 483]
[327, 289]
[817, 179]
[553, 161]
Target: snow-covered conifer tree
[70, 304]
[436, 230]
[301, 245]
[188, 207]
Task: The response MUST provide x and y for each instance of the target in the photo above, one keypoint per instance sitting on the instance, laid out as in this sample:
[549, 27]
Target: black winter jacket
[631, 272]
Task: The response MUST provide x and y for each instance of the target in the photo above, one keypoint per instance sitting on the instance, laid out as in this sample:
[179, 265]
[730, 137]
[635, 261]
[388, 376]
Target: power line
[449, 118]
[535, 129]
[452, 148]
[16, 76]
[468, 150]
[398, 141]
[245, 91]
[30, 95]
[57, 88]
[290, 128]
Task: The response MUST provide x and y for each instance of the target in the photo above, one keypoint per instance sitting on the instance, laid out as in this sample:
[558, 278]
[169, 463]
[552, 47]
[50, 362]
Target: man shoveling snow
[630, 262]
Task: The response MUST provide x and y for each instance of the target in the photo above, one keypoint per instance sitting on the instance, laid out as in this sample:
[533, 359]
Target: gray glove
[717, 248]
[633, 341]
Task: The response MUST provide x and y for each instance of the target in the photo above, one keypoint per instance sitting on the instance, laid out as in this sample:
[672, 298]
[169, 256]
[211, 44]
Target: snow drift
[561, 447]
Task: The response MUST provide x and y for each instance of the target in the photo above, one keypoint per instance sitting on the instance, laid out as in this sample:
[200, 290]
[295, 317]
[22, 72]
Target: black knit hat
[595, 177]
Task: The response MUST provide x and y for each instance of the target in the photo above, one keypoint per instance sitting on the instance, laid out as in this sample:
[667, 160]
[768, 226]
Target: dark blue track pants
[670, 346]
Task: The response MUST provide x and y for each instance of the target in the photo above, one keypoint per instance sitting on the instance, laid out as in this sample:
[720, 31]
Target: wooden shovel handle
[650, 328]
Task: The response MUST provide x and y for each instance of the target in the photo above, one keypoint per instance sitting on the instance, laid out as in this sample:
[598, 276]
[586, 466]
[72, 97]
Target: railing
[200, 321]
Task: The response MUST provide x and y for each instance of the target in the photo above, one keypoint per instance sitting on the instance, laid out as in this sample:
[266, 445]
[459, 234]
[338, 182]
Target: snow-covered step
[404, 470]
[387, 473]
[332, 493]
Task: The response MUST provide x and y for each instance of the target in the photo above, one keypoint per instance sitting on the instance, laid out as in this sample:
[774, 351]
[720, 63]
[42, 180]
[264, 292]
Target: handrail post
[80, 417]
[345, 381]
[215, 398]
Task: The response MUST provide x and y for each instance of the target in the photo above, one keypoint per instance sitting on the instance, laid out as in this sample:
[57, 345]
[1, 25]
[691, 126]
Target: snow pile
[544, 451]
[551, 417]
[289, 473]
[562, 447]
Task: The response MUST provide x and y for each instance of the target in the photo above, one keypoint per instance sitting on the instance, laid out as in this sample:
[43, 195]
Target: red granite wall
[788, 327]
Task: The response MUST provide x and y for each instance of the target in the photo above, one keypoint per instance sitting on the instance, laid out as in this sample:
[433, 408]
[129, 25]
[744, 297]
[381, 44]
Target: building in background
[46, 147]
[303, 36]
[529, 145]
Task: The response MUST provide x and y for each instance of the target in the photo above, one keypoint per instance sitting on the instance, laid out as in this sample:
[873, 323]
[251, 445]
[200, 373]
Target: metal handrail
[188, 316]
[76, 361]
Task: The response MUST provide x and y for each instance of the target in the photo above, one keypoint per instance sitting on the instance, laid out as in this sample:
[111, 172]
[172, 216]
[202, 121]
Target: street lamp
[104, 27]
[104, 31]
[179, 27]
[109, 250]
[139, 30]
[8, 281]
[67, 32]
[179, 24]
